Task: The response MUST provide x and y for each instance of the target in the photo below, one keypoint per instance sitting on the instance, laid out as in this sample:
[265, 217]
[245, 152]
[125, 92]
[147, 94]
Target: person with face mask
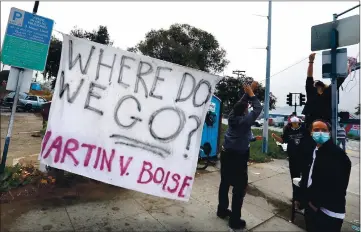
[318, 104]
[235, 155]
[293, 134]
[324, 180]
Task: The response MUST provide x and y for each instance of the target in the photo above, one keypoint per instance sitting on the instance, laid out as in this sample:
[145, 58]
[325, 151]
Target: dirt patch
[281, 206]
[22, 144]
[32, 197]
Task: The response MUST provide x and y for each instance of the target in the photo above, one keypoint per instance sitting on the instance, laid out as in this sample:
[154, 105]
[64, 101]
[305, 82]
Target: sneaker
[223, 213]
[237, 225]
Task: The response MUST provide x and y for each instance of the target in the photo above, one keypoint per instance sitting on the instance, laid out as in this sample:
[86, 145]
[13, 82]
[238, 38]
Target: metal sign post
[331, 35]
[25, 46]
[334, 104]
[11, 122]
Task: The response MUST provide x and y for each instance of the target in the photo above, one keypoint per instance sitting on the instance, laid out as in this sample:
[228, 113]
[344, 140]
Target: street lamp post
[267, 90]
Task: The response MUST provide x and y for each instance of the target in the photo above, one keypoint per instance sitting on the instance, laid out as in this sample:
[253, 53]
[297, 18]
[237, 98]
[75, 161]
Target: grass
[353, 137]
[256, 154]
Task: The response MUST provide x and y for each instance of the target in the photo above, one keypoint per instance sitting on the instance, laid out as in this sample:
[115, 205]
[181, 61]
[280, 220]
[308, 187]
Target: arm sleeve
[284, 135]
[309, 86]
[252, 138]
[251, 117]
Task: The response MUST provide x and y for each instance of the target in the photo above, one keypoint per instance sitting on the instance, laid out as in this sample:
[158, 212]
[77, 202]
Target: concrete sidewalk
[133, 211]
[267, 207]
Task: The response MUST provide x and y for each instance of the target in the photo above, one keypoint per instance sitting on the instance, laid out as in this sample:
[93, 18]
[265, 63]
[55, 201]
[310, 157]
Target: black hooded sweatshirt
[330, 176]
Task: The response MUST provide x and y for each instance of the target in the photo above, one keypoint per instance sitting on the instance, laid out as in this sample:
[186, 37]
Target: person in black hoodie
[235, 155]
[324, 180]
[318, 105]
[293, 134]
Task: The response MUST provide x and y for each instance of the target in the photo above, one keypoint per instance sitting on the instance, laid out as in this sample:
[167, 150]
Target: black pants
[295, 166]
[233, 173]
[320, 222]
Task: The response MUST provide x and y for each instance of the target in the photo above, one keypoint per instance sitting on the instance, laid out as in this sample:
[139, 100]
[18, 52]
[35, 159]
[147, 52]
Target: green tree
[100, 35]
[184, 45]
[230, 89]
[357, 108]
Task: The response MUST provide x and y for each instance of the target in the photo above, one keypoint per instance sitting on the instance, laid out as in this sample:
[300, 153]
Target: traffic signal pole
[290, 102]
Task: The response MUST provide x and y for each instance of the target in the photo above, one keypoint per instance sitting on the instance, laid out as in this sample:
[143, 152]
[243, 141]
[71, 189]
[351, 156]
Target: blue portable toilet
[211, 129]
[35, 86]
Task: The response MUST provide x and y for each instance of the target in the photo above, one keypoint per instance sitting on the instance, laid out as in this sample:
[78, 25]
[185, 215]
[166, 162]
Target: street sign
[26, 77]
[341, 63]
[348, 33]
[26, 41]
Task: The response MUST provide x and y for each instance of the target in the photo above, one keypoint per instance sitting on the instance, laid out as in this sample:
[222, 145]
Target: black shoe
[221, 213]
[237, 225]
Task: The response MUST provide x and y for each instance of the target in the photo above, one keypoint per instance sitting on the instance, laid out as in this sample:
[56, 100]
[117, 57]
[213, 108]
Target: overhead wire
[288, 67]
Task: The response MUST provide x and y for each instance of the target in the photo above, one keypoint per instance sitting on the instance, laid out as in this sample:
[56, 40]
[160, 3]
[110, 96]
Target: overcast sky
[233, 24]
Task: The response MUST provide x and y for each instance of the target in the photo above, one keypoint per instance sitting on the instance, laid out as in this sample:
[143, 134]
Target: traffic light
[302, 99]
[289, 99]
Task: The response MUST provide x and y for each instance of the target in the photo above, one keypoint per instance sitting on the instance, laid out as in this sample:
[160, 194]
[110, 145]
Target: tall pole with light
[267, 91]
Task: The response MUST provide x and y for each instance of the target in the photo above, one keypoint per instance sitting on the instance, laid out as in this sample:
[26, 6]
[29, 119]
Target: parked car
[278, 122]
[31, 102]
[258, 122]
[9, 99]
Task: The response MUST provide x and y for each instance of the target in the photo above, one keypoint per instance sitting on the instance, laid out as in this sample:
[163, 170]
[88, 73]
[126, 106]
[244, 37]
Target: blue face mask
[321, 137]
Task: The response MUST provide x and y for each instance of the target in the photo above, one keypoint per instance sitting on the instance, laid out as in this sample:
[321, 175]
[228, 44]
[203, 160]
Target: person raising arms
[318, 105]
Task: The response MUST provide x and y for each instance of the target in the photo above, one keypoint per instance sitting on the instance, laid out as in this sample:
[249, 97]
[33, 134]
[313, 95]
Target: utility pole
[238, 73]
[267, 91]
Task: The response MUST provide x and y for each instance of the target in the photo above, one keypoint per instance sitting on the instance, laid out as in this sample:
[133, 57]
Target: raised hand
[311, 58]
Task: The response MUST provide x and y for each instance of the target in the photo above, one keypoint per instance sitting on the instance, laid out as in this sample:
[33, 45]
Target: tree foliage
[229, 90]
[100, 35]
[184, 45]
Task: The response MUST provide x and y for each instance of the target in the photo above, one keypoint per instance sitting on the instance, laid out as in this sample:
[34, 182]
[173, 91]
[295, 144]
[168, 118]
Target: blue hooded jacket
[239, 134]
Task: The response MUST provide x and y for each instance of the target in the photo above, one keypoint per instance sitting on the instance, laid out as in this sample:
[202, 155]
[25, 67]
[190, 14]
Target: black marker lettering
[196, 90]
[191, 133]
[135, 119]
[141, 73]
[66, 87]
[122, 65]
[181, 117]
[78, 57]
[156, 79]
[91, 93]
[105, 65]
[179, 99]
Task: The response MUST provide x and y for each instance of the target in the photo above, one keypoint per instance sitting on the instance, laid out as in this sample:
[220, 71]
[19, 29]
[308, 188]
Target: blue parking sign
[27, 40]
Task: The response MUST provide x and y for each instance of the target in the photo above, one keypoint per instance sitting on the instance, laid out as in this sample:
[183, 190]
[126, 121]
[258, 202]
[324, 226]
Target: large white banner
[126, 119]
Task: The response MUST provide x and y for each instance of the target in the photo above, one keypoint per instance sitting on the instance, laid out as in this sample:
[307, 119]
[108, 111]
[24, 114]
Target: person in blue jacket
[235, 155]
